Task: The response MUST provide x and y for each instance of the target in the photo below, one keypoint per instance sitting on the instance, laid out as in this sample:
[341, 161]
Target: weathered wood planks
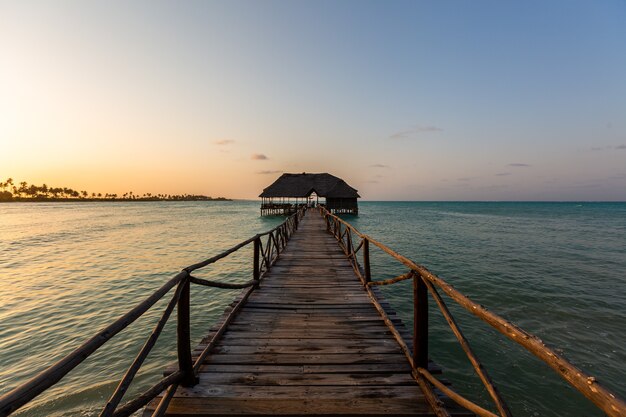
[307, 342]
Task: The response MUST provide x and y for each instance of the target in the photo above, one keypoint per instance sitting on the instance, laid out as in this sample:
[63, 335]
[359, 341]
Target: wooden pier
[307, 342]
[310, 335]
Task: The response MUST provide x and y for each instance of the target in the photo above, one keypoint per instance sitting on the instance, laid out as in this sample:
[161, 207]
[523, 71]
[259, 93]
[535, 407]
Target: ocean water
[556, 269]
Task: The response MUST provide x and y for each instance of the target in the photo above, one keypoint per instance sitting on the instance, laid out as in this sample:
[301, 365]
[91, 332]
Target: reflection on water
[69, 269]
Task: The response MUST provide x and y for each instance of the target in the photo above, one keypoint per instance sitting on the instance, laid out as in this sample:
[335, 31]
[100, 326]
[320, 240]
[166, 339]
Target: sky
[416, 100]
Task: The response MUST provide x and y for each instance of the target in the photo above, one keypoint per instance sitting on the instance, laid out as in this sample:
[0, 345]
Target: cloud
[414, 131]
[379, 166]
[259, 157]
[224, 142]
[502, 174]
[268, 172]
[608, 148]
[519, 165]
[372, 182]
[464, 179]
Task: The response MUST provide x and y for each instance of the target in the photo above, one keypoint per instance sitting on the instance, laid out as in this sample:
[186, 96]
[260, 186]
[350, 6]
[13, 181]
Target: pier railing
[267, 247]
[425, 282]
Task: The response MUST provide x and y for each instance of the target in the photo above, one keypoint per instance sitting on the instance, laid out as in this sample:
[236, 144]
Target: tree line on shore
[13, 191]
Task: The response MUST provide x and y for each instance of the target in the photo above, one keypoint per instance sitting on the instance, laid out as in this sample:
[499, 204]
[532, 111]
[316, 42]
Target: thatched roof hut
[277, 198]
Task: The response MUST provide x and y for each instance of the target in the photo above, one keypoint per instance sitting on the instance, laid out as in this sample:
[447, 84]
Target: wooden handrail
[390, 281]
[186, 375]
[586, 384]
[217, 284]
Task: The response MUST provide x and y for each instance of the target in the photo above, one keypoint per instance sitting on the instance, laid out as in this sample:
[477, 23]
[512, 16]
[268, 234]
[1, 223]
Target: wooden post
[185, 364]
[366, 260]
[420, 322]
[256, 273]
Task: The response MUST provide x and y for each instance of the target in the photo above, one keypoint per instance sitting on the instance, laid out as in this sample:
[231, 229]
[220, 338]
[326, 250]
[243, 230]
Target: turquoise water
[556, 269]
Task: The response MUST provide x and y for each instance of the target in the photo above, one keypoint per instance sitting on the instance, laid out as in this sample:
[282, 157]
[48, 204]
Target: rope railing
[275, 241]
[425, 282]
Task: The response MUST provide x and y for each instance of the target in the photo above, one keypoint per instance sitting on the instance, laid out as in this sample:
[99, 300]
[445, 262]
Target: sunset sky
[417, 100]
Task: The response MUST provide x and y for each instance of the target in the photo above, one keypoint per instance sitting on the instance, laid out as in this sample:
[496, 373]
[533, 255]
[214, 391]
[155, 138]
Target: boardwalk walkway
[307, 342]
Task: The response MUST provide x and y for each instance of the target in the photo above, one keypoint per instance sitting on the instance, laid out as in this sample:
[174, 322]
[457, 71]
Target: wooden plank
[301, 406]
[310, 379]
[299, 359]
[359, 321]
[347, 316]
[276, 341]
[319, 392]
[357, 328]
[385, 368]
[311, 334]
[310, 349]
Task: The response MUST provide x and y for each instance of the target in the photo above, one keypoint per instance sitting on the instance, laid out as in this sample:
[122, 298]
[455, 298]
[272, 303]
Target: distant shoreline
[107, 200]
[11, 193]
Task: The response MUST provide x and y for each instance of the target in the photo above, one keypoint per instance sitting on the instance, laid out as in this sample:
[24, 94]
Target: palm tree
[32, 190]
[8, 183]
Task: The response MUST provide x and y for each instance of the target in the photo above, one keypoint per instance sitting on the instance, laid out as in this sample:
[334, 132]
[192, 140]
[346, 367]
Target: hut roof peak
[302, 185]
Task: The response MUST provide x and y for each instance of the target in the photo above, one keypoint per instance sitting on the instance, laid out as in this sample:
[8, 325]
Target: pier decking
[307, 342]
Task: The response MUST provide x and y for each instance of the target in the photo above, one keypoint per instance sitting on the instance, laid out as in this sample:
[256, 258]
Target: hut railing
[265, 255]
[425, 282]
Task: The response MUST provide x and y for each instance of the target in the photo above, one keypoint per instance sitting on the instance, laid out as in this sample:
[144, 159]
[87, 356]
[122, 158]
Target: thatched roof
[302, 185]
